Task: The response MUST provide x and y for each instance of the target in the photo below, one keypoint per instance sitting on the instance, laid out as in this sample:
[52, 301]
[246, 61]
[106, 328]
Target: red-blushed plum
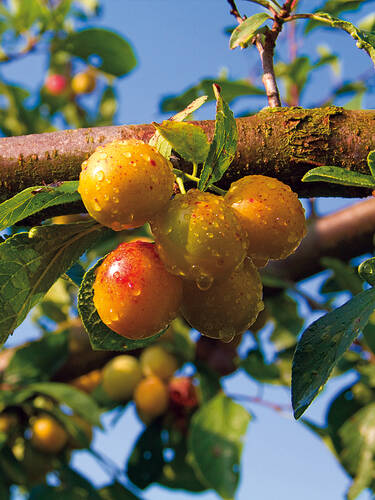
[134, 294]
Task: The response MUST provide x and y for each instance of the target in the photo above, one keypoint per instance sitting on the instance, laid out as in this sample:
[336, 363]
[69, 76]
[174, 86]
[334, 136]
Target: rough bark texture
[280, 142]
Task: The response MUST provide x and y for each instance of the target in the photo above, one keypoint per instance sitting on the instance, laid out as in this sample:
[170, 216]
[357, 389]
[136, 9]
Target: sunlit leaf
[322, 345]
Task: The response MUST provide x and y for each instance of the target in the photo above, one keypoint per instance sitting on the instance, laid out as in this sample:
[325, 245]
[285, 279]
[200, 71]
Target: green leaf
[358, 440]
[159, 142]
[322, 345]
[31, 262]
[10, 467]
[338, 175]
[245, 32]
[188, 140]
[178, 473]
[371, 162]
[366, 270]
[78, 401]
[223, 146]
[365, 39]
[369, 333]
[146, 462]
[38, 360]
[14, 398]
[116, 54]
[256, 367]
[217, 430]
[335, 7]
[117, 491]
[101, 337]
[34, 199]
[283, 310]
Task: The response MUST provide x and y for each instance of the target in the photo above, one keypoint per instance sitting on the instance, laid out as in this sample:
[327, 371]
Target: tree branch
[283, 143]
[344, 234]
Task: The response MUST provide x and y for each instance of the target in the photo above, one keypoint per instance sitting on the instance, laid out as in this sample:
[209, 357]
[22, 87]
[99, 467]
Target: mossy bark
[280, 142]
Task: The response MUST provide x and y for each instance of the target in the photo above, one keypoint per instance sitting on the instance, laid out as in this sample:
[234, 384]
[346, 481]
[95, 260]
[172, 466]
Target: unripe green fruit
[151, 397]
[120, 377]
[199, 237]
[228, 308]
[157, 361]
[134, 294]
[272, 215]
[125, 183]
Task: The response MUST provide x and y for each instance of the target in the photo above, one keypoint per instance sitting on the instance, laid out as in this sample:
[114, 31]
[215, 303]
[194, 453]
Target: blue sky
[177, 44]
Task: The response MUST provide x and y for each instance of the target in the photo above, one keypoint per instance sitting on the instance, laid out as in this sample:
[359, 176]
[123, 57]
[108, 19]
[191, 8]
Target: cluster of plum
[83, 82]
[37, 438]
[149, 381]
[207, 248]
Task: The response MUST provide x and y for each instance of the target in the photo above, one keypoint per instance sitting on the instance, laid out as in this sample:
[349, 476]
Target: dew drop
[127, 154]
[96, 205]
[102, 156]
[115, 199]
[100, 175]
[204, 282]
[116, 275]
[106, 197]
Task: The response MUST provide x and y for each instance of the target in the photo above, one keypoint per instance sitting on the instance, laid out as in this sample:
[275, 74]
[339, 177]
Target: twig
[235, 12]
[269, 78]
[262, 402]
[266, 46]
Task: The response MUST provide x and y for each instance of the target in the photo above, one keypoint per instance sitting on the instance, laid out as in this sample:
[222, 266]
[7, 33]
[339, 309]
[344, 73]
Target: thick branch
[344, 234]
[283, 143]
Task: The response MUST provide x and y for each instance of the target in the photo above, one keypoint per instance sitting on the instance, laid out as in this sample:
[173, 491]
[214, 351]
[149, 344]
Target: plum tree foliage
[167, 246]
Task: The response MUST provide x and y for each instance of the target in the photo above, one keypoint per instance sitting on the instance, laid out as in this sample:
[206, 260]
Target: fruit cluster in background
[159, 380]
[84, 82]
[207, 247]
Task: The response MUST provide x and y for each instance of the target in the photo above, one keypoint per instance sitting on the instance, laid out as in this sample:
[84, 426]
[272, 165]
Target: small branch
[262, 402]
[234, 11]
[30, 46]
[269, 78]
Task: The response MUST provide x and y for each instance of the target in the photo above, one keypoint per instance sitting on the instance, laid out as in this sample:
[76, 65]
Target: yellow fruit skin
[48, 435]
[151, 397]
[228, 308]
[83, 83]
[120, 377]
[125, 183]
[157, 361]
[272, 215]
[134, 294]
[198, 238]
[88, 382]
